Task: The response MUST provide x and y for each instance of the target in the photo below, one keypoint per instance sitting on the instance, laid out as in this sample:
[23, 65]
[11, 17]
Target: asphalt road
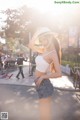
[21, 103]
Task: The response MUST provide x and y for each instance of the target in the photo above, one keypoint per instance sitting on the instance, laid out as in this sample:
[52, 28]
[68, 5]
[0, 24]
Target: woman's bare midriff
[39, 74]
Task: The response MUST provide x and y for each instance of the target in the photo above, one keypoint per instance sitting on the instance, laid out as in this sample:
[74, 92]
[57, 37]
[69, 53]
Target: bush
[71, 63]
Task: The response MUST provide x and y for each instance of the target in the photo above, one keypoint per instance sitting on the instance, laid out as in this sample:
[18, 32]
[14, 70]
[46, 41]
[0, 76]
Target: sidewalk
[64, 82]
[22, 103]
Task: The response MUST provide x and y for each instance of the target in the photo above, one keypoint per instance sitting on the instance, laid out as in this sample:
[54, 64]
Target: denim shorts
[45, 89]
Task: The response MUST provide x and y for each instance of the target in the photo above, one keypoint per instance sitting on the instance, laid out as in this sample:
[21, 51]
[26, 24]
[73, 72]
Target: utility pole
[29, 53]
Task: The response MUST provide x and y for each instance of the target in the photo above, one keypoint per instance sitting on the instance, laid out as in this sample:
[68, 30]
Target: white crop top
[41, 64]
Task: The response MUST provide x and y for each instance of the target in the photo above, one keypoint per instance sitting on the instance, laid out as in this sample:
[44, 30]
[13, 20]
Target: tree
[21, 21]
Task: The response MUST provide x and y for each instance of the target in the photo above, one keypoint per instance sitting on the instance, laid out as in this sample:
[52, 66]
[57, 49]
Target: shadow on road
[21, 103]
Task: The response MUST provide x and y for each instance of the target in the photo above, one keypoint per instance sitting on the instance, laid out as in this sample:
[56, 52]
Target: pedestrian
[33, 65]
[47, 66]
[20, 60]
[1, 64]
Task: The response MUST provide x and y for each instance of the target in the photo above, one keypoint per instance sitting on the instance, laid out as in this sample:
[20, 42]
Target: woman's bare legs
[45, 107]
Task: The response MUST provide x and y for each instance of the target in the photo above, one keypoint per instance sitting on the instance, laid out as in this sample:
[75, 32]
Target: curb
[67, 90]
[57, 88]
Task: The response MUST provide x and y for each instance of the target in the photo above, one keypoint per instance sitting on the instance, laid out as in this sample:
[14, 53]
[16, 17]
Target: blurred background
[20, 18]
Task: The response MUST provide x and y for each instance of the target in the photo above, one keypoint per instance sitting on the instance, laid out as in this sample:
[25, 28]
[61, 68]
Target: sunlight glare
[41, 5]
[50, 7]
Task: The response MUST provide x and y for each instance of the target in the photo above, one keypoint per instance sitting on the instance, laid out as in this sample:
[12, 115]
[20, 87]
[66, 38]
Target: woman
[47, 66]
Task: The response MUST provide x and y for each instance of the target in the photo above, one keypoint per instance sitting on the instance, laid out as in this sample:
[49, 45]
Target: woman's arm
[57, 68]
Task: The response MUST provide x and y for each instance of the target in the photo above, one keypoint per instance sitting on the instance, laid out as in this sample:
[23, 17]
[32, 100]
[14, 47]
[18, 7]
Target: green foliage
[16, 22]
[71, 64]
[21, 21]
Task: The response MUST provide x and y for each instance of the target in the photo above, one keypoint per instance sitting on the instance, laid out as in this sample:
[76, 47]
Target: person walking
[47, 66]
[20, 60]
[33, 65]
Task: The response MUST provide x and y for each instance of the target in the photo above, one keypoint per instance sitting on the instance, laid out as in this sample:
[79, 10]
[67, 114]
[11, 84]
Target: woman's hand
[38, 81]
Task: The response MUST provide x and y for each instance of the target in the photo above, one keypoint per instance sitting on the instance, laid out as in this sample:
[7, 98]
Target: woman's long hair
[53, 42]
[57, 48]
